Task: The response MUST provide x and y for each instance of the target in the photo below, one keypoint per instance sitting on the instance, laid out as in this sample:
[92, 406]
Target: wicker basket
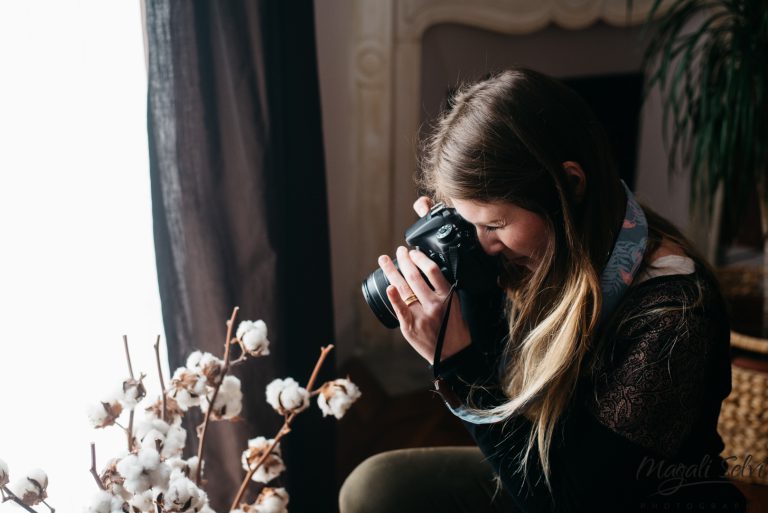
[743, 422]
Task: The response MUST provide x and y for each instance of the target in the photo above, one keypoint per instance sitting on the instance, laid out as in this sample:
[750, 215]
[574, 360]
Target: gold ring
[411, 300]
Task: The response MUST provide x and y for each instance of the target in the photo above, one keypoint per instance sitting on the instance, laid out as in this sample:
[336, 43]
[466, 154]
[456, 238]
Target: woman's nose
[489, 241]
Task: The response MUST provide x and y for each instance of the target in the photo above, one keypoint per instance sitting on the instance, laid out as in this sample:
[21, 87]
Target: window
[77, 267]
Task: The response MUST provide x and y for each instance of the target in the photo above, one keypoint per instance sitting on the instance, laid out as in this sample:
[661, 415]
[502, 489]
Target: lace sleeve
[650, 385]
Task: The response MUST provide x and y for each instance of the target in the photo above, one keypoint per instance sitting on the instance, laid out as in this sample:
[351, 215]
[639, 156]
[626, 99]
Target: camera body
[451, 242]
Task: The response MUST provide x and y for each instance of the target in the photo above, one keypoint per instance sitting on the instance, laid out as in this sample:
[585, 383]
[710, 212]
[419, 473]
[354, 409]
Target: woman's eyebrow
[494, 221]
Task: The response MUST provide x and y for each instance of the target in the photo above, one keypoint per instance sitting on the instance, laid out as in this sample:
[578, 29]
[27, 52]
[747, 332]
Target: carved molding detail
[514, 17]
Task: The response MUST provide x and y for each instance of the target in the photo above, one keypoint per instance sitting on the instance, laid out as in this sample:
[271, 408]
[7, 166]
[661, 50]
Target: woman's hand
[420, 320]
[422, 205]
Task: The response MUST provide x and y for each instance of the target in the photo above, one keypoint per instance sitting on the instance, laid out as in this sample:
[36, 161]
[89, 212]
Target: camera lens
[375, 294]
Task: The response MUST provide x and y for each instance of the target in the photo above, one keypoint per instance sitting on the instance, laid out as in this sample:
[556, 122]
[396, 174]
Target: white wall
[335, 32]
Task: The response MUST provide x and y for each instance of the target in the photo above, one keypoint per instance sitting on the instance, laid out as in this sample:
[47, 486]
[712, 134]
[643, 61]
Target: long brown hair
[505, 139]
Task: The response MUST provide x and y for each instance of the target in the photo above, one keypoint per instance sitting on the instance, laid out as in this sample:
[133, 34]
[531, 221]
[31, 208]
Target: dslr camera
[451, 242]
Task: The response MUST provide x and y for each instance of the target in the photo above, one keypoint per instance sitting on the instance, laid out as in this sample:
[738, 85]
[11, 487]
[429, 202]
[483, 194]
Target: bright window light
[77, 266]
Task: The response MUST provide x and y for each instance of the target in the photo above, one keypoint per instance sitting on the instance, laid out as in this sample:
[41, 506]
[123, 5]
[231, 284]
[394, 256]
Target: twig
[93, 467]
[323, 354]
[283, 430]
[128, 355]
[201, 444]
[160, 373]
[240, 360]
[49, 507]
[12, 496]
[129, 431]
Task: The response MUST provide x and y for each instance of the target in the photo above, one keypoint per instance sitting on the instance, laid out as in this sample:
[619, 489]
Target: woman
[593, 379]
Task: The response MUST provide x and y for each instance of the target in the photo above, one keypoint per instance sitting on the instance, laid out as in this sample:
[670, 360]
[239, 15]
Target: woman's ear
[576, 179]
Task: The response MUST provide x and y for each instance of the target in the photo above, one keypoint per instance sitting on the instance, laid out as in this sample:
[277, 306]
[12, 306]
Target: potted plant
[709, 59]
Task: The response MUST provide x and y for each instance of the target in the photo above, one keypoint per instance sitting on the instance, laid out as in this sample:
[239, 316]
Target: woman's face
[505, 229]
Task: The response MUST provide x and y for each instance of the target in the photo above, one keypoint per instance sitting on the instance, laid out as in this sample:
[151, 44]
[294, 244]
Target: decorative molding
[514, 17]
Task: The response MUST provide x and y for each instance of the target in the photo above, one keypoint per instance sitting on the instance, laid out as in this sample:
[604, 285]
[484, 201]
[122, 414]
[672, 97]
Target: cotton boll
[173, 411]
[144, 502]
[105, 502]
[185, 468]
[337, 396]
[31, 489]
[253, 335]
[155, 432]
[4, 473]
[208, 509]
[229, 401]
[272, 467]
[183, 496]
[143, 471]
[205, 364]
[135, 479]
[187, 387]
[105, 413]
[175, 440]
[113, 480]
[132, 393]
[150, 425]
[271, 500]
[286, 396]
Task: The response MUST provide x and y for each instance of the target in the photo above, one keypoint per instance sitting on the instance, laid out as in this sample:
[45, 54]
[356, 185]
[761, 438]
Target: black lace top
[641, 429]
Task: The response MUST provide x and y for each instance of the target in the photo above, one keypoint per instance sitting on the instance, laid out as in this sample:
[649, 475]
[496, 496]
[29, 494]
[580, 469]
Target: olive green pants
[424, 480]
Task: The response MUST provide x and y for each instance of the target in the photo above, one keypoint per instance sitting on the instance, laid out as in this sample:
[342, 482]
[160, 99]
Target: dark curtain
[240, 215]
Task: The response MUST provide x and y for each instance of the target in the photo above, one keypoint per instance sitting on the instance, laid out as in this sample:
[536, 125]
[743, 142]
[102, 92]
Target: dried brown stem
[11, 496]
[93, 467]
[201, 444]
[129, 432]
[323, 354]
[160, 374]
[128, 355]
[240, 360]
[49, 507]
[283, 430]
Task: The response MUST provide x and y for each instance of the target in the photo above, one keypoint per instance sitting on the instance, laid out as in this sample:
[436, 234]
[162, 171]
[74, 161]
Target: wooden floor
[379, 423]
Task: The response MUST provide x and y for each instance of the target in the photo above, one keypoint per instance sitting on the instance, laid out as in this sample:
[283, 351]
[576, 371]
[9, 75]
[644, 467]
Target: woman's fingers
[412, 275]
[431, 270]
[394, 276]
[402, 311]
[421, 341]
[422, 205]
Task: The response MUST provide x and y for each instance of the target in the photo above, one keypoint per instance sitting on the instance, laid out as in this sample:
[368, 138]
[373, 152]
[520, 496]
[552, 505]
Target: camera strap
[454, 260]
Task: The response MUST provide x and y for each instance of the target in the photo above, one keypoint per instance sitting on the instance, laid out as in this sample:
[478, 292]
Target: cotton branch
[283, 430]
[128, 355]
[162, 382]
[201, 445]
[129, 431]
[12, 497]
[93, 467]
